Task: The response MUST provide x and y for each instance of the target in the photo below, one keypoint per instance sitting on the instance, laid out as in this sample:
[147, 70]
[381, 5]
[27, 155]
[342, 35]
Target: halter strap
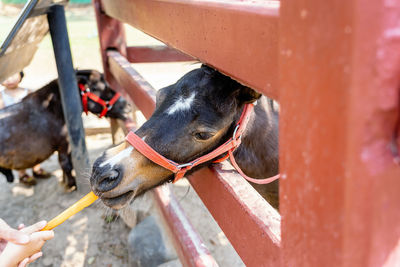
[180, 169]
[107, 105]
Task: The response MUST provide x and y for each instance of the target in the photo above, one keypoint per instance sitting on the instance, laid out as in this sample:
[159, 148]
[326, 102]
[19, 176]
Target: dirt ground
[92, 237]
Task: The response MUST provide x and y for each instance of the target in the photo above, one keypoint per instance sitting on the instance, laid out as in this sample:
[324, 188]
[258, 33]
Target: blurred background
[21, 2]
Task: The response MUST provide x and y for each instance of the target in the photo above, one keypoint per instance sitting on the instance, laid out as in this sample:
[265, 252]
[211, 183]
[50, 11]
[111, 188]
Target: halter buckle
[108, 105]
[235, 131]
[185, 165]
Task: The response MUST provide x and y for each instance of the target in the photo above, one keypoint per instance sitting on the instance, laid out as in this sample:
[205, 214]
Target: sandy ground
[89, 238]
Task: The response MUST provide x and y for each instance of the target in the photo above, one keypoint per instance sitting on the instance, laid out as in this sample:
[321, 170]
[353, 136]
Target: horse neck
[258, 153]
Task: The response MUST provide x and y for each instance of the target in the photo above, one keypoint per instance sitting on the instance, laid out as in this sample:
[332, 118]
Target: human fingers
[3, 244]
[34, 227]
[43, 235]
[35, 257]
[24, 263]
[21, 226]
[12, 235]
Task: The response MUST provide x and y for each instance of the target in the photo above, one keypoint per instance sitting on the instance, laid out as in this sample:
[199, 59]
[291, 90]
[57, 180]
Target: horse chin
[118, 115]
[122, 195]
[120, 201]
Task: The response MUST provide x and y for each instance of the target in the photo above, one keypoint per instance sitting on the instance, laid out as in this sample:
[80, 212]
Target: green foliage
[24, 1]
[13, 1]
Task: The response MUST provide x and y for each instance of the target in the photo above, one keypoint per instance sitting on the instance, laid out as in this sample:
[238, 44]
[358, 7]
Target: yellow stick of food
[75, 208]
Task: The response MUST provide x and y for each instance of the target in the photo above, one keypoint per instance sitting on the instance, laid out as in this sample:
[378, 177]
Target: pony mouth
[118, 202]
[118, 198]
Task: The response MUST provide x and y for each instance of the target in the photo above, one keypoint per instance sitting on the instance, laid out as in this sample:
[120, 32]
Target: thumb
[12, 235]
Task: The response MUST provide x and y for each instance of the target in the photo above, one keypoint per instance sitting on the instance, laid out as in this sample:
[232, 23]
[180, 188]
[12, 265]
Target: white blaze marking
[118, 157]
[181, 104]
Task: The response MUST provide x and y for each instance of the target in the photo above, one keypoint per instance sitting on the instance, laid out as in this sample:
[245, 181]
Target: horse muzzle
[105, 183]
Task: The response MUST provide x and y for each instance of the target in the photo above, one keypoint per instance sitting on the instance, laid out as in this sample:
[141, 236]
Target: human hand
[8, 234]
[21, 255]
[32, 258]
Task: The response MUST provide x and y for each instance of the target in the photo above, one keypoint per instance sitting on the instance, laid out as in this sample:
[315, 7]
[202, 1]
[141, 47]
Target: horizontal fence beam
[191, 249]
[138, 89]
[147, 54]
[249, 222]
[239, 38]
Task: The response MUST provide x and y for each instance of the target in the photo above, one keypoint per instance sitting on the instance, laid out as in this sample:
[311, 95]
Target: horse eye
[203, 135]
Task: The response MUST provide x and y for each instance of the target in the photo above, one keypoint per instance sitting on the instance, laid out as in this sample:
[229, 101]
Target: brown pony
[192, 117]
[33, 129]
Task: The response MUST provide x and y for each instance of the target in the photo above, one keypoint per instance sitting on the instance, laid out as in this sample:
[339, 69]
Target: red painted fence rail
[141, 54]
[234, 36]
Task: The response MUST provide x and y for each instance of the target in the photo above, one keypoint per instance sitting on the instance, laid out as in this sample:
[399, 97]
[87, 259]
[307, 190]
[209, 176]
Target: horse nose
[106, 179]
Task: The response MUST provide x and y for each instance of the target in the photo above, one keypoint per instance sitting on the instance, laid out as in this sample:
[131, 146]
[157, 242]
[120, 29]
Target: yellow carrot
[75, 208]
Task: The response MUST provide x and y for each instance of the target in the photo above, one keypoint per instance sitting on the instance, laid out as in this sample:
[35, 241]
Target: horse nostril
[108, 180]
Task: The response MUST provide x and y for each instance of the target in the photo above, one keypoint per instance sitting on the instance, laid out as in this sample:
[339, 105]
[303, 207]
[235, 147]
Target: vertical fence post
[111, 36]
[70, 98]
[339, 96]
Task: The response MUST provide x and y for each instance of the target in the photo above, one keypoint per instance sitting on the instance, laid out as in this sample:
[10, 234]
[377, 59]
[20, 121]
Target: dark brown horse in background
[33, 129]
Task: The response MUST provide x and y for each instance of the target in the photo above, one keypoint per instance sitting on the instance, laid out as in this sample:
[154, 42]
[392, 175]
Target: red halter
[107, 105]
[180, 169]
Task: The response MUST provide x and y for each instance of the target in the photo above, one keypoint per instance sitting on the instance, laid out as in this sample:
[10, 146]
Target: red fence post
[111, 36]
[340, 77]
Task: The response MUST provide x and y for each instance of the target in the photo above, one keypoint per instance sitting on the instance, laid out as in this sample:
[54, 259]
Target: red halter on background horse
[107, 105]
[228, 147]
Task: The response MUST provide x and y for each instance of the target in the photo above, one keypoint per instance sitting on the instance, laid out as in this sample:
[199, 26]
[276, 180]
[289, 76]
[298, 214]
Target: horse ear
[82, 76]
[208, 69]
[81, 80]
[95, 76]
[247, 95]
[162, 95]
